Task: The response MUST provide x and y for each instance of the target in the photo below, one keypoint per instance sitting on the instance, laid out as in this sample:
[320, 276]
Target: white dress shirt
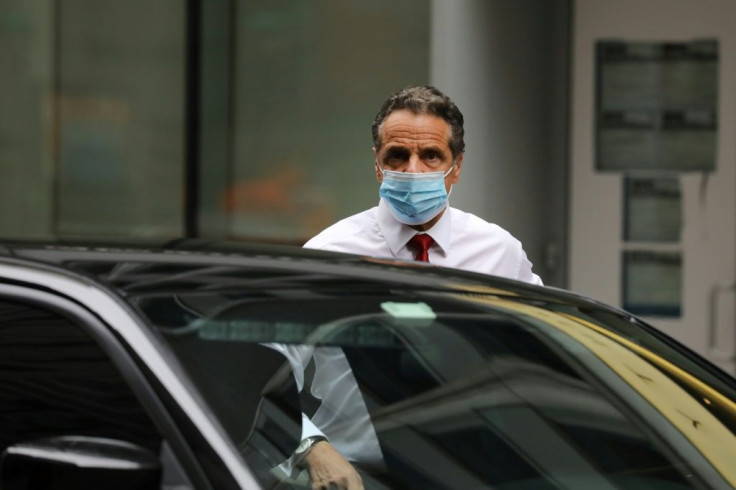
[342, 416]
[461, 240]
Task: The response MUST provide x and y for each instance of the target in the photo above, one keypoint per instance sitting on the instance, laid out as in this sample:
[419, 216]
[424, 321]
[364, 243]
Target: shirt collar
[397, 235]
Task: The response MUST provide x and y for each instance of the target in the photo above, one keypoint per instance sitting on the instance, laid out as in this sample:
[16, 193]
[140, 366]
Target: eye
[395, 157]
[432, 157]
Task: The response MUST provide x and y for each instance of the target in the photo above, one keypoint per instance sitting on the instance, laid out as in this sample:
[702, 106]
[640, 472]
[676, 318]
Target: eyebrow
[433, 148]
[397, 151]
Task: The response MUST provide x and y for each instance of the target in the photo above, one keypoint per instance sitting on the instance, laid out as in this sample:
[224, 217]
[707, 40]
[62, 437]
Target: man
[418, 156]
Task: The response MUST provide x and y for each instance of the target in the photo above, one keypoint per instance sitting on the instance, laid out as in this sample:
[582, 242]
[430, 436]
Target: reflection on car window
[465, 395]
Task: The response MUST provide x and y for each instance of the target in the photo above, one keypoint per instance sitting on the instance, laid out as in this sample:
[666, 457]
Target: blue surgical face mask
[414, 198]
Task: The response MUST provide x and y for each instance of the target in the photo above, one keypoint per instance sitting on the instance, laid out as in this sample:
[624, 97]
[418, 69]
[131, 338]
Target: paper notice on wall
[653, 209]
[656, 105]
[652, 284]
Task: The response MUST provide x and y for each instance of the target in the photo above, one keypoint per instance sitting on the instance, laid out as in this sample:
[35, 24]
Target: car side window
[58, 382]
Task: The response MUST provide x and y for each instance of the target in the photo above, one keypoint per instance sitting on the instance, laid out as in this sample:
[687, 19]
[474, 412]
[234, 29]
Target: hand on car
[328, 469]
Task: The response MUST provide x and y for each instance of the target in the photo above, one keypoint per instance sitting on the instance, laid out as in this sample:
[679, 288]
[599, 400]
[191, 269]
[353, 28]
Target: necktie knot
[420, 243]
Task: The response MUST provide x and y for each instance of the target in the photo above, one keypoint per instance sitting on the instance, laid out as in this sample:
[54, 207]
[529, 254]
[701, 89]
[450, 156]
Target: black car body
[152, 366]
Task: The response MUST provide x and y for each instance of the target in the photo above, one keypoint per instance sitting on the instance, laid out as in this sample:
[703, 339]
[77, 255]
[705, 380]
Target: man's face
[416, 143]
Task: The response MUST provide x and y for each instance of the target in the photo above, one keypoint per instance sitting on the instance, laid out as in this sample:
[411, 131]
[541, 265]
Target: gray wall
[505, 63]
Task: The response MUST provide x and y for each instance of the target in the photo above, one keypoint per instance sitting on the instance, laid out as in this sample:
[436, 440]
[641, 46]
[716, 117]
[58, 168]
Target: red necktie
[421, 243]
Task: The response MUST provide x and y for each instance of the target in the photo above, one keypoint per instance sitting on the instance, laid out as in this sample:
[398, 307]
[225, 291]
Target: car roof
[95, 258]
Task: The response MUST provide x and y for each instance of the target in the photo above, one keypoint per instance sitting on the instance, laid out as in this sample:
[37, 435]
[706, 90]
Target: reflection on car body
[468, 381]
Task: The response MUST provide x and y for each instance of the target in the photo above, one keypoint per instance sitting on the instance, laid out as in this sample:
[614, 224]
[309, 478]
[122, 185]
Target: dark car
[173, 366]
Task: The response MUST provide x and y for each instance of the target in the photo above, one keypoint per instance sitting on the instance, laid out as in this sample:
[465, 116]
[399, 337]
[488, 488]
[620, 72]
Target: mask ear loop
[378, 166]
[449, 171]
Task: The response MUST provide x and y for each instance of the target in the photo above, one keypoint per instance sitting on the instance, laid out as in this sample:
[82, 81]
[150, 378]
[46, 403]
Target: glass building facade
[246, 119]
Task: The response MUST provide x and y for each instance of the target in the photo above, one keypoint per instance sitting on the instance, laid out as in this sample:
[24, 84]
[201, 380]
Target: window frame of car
[43, 286]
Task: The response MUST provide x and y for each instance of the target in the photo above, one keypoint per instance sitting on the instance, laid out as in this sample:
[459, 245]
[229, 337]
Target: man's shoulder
[494, 250]
[333, 235]
[467, 225]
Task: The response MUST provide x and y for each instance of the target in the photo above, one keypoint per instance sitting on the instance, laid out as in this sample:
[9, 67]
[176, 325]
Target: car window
[56, 382]
[456, 393]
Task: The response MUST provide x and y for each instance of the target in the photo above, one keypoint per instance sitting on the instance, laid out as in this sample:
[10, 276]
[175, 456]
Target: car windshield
[440, 387]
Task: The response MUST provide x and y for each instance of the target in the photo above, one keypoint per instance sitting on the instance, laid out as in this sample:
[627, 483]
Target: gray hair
[424, 100]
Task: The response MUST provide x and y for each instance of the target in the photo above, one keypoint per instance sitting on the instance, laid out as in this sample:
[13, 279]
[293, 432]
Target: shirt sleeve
[298, 356]
[525, 273]
[309, 429]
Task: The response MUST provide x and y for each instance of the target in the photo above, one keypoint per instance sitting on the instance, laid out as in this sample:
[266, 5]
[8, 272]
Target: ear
[454, 176]
[376, 168]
